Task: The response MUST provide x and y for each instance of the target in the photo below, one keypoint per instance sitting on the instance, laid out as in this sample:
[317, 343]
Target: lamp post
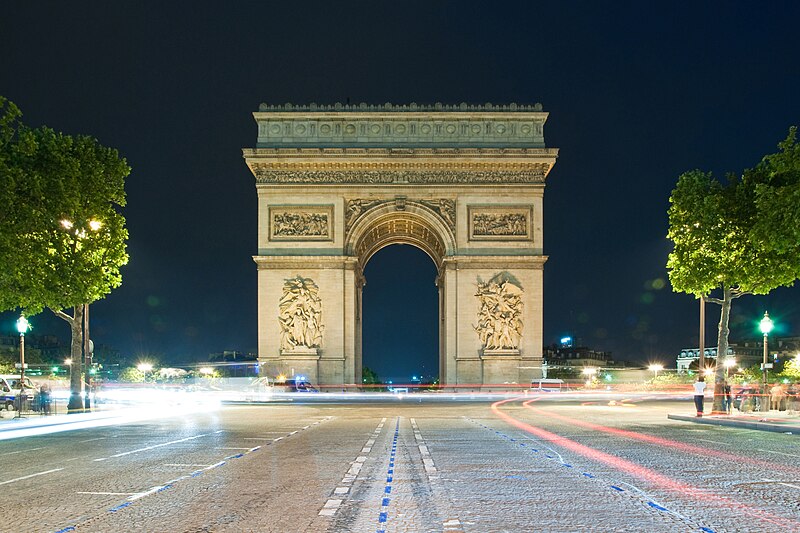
[765, 326]
[22, 328]
[655, 369]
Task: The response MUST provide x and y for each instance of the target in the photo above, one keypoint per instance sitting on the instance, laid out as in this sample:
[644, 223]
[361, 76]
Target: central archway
[398, 222]
[397, 345]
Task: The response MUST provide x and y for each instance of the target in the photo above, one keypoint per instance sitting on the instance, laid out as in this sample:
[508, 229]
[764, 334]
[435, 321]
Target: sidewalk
[775, 421]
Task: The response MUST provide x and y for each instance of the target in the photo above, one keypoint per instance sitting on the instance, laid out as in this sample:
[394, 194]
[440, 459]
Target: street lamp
[144, 368]
[765, 326]
[589, 372]
[22, 328]
[729, 363]
[655, 369]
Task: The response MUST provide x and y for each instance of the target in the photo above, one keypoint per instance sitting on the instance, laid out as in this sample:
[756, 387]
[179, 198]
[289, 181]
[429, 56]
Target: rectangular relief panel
[301, 223]
[500, 223]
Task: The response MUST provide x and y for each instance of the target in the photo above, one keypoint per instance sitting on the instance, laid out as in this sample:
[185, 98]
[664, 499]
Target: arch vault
[337, 183]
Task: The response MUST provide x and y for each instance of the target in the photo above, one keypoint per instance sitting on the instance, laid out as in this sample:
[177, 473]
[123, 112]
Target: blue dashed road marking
[617, 488]
[384, 514]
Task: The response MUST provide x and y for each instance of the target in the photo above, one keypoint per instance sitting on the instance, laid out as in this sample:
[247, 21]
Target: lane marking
[331, 505]
[716, 442]
[108, 493]
[782, 483]
[778, 453]
[91, 440]
[31, 475]
[184, 464]
[153, 447]
[383, 516]
[22, 451]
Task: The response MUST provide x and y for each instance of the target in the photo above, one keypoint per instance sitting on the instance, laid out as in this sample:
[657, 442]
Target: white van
[548, 385]
[9, 388]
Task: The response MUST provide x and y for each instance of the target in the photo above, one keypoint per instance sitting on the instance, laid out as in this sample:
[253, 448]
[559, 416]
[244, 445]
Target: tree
[726, 241]
[62, 238]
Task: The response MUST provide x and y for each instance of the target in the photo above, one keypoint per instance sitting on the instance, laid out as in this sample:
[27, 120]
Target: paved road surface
[541, 465]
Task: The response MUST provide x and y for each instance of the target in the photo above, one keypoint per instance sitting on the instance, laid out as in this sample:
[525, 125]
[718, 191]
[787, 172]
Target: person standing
[776, 395]
[727, 398]
[699, 393]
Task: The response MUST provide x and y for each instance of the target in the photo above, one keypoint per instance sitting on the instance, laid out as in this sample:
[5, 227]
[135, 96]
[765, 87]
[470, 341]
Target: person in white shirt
[699, 391]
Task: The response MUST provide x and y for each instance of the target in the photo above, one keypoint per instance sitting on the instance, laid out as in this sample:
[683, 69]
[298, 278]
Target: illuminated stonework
[463, 183]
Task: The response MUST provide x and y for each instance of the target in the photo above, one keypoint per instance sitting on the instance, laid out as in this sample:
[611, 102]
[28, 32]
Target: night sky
[637, 94]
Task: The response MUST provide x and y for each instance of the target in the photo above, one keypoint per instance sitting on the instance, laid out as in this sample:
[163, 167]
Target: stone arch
[415, 224]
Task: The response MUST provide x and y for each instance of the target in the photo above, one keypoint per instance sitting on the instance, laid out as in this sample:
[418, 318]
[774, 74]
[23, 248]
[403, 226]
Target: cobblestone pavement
[542, 465]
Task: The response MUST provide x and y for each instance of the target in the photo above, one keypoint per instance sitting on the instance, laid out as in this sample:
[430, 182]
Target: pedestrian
[44, 398]
[699, 392]
[727, 398]
[776, 394]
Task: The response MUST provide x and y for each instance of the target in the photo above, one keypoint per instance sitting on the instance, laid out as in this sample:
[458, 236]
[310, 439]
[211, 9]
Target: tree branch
[738, 294]
[63, 315]
[714, 300]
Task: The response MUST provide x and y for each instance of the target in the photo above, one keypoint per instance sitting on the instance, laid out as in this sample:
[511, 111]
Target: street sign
[19, 366]
[766, 365]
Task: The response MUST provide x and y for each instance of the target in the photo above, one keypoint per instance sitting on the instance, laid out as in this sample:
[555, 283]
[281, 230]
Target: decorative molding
[301, 223]
[500, 315]
[322, 177]
[444, 208]
[395, 108]
[500, 223]
[300, 316]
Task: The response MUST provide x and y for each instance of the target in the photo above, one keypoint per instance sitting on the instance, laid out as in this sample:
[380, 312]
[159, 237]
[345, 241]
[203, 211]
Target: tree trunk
[75, 322]
[722, 349]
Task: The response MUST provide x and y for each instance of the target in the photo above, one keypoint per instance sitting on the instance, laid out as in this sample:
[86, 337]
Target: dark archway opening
[400, 333]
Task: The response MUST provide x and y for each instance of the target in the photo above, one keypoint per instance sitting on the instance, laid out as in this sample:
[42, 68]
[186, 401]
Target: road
[553, 463]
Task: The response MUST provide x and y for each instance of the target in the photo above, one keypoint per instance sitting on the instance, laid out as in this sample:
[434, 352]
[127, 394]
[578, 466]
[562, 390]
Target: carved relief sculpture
[300, 314]
[500, 315]
[445, 208]
[500, 223]
[300, 223]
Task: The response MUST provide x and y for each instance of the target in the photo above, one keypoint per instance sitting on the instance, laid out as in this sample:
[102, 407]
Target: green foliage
[49, 178]
[791, 369]
[131, 374]
[744, 233]
[369, 377]
[673, 378]
[751, 375]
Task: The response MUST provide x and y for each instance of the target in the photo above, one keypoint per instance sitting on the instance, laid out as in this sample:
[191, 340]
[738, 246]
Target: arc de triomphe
[336, 183]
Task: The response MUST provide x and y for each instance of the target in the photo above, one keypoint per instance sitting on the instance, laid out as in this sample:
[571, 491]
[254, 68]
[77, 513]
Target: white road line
[152, 447]
[138, 495]
[185, 464]
[332, 505]
[427, 460]
[22, 451]
[108, 493]
[30, 476]
[778, 453]
[782, 483]
[716, 442]
[90, 440]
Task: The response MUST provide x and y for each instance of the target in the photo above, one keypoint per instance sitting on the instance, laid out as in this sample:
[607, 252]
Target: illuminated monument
[463, 183]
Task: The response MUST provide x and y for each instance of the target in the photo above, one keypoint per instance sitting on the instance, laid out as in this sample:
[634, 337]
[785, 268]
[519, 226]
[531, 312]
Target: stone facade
[463, 183]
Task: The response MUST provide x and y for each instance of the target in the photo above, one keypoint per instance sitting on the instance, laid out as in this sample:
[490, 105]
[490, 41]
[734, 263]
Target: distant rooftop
[399, 108]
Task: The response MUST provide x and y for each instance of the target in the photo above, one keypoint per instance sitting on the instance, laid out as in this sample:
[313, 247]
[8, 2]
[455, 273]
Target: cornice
[398, 108]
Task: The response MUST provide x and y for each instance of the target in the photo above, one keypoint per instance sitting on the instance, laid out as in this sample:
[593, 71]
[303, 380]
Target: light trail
[682, 489]
[658, 441]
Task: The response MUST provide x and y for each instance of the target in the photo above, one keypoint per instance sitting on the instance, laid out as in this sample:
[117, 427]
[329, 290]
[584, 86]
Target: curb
[788, 429]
